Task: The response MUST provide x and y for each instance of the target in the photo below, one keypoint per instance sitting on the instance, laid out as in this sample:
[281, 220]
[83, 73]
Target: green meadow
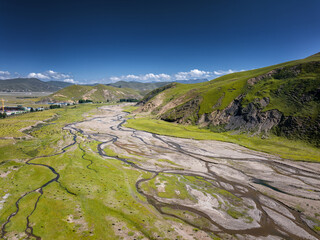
[285, 148]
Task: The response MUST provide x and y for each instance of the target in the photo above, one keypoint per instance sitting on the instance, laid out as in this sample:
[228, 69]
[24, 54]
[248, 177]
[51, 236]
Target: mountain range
[36, 85]
[31, 85]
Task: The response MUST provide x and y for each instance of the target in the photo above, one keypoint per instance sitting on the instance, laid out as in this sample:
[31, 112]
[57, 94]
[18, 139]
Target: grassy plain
[86, 203]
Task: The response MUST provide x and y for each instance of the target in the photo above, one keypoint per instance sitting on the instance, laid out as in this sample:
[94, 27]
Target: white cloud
[192, 74]
[51, 75]
[4, 75]
[70, 80]
[222, 72]
[131, 76]
[150, 77]
[37, 75]
[115, 79]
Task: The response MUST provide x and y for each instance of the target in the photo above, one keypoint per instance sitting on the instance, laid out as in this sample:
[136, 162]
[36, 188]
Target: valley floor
[113, 182]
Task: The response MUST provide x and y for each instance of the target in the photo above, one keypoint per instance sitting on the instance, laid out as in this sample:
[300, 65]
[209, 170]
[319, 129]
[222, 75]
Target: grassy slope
[282, 147]
[76, 92]
[227, 87]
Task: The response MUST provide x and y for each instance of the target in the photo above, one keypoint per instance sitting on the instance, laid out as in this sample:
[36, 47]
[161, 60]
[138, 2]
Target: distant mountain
[144, 88]
[192, 81]
[98, 93]
[36, 85]
[283, 99]
[30, 85]
[60, 84]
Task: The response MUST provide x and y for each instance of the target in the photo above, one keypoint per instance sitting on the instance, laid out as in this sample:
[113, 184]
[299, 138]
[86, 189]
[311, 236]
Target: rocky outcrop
[283, 72]
[185, 113]
[254, 80]
[250, 118]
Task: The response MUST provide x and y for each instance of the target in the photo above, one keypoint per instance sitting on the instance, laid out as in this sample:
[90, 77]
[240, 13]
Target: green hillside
[283, 99]
[98, 93]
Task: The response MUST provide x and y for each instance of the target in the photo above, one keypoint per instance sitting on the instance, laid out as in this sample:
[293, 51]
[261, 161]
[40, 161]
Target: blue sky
[152, 40]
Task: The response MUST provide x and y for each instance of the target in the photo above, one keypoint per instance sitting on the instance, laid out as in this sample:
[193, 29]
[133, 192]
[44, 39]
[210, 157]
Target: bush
[3, 115]
[54, 106]
[128, 100]
[85, 101]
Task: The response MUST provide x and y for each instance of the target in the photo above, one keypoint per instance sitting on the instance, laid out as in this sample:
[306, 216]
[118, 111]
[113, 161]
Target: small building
[15, 110]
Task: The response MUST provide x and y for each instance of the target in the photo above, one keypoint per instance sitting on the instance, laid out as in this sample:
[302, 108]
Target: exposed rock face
[277, 73]
[248, 118]
[183, 113]
[254, 80]
[251, 118]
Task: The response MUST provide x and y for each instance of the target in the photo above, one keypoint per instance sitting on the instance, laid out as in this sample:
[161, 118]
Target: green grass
[129, 109]
[110, 152]
[168, 161]
[234, 213]
[287, 94]
[295, 150]
[9, 127]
